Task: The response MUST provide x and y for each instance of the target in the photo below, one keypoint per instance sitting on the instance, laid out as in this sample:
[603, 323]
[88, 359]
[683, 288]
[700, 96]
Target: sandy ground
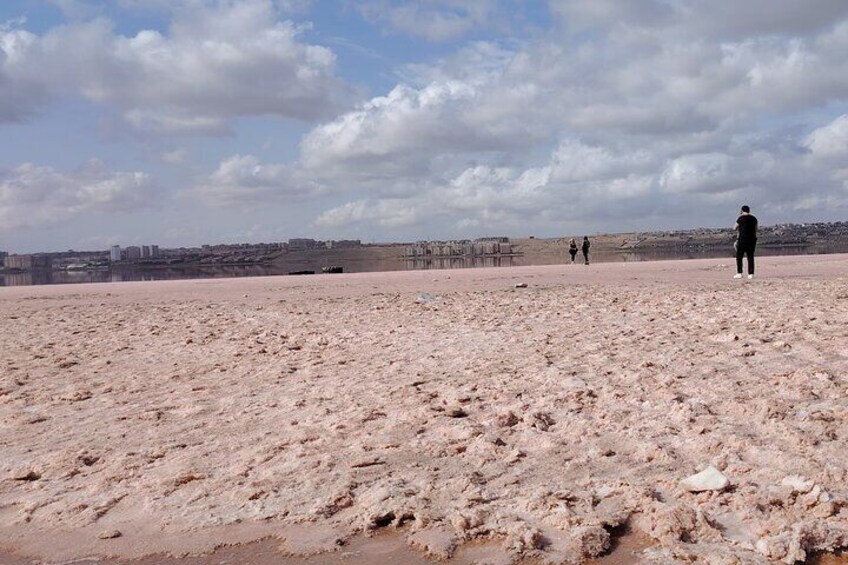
[177, 416]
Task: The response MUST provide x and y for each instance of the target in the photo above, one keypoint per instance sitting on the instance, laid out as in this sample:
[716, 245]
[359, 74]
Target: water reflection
[384, 264]
[423, 263]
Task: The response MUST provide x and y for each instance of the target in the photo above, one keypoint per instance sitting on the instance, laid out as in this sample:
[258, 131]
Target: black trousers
[745, 248]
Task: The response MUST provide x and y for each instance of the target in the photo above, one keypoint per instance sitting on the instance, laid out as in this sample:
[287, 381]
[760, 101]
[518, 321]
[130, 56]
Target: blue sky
[181, 122]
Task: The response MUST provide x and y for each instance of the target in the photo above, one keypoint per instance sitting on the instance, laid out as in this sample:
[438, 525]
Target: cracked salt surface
[175, 416]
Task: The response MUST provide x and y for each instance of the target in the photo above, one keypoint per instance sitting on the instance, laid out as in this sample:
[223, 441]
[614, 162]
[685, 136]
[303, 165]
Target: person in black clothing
[585, 249]
[572, 249]
[746, 227]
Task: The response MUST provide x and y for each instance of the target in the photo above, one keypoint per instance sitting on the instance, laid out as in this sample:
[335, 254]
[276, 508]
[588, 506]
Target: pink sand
[175, 416]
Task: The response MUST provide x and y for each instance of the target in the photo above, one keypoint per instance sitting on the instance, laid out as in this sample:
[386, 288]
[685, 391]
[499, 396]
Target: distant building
[133, 253]
[154, 251]
[483, 247]
[28, 262]
[115, 253]
[342, 243]
[3, 255]
[302, 243]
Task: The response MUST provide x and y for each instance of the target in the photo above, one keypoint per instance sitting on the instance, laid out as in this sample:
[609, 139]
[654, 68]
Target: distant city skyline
[187, 122]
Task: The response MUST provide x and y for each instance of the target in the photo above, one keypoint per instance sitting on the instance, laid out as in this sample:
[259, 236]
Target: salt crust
[544, 417]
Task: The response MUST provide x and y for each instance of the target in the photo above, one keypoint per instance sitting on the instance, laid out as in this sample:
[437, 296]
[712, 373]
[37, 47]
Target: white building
[115, 253]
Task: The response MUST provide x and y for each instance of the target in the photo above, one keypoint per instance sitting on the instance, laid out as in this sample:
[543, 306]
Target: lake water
[399, 264]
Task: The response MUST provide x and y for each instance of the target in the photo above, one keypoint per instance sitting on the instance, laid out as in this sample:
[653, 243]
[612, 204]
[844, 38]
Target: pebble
[798, 484]
[109, 534]
[456, 412]
[708, 479]
[507, 419]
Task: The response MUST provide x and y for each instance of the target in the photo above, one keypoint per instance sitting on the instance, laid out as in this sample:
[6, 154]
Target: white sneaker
[750, 276]
[737, 276]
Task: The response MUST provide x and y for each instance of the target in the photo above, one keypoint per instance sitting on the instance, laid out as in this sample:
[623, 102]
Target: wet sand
[534, 422]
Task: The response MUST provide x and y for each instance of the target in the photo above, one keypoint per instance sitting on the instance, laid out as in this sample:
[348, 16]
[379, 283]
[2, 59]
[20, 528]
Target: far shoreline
[551, 256]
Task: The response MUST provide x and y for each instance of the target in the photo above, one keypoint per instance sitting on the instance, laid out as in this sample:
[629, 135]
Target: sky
[183, 122]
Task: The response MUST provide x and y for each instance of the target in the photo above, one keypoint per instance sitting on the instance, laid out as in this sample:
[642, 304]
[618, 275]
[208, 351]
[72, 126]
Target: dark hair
[746, 208]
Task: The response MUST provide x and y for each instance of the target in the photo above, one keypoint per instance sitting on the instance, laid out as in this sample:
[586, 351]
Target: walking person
[585, 248]
[572, 249]
[746, 228]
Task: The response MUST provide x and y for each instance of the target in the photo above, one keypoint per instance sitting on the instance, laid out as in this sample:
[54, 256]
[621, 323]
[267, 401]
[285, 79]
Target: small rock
[456, 412]
[109, 534]
[426, 298]
[542, 421]
[590, 541]
[25, 475]
[708, 479]
[521, 285]
[727, 338]
[507, 420]
[798, 484]
[815, 496]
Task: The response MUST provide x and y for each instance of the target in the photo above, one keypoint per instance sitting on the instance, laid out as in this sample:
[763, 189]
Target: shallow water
[362, 266]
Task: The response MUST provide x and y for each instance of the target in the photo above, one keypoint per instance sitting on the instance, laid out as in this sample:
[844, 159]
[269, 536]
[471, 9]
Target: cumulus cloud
[215, 63]
[471, 104]
[830, 141]
[22, 90]
[390, 213]
[828, 147]
[399, 130]
[668, 109]
[37, 196]
[644, 112]
[244, 180]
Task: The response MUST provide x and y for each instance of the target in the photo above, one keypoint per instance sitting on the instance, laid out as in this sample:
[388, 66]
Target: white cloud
[36, 196]
[389, 213]
[22, 91]
[215, 64]
[828, 147]
[651, 110]
[661, 112]
[244, 180]
[405, 123]
[574, 161]
[706, 172]
[830, 141]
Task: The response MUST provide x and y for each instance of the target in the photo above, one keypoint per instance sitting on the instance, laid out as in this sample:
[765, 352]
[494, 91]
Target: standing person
[746, 228]
[585, 249]
[572, 249]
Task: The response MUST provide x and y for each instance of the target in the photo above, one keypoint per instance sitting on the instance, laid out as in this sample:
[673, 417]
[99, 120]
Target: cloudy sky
[181, 122]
